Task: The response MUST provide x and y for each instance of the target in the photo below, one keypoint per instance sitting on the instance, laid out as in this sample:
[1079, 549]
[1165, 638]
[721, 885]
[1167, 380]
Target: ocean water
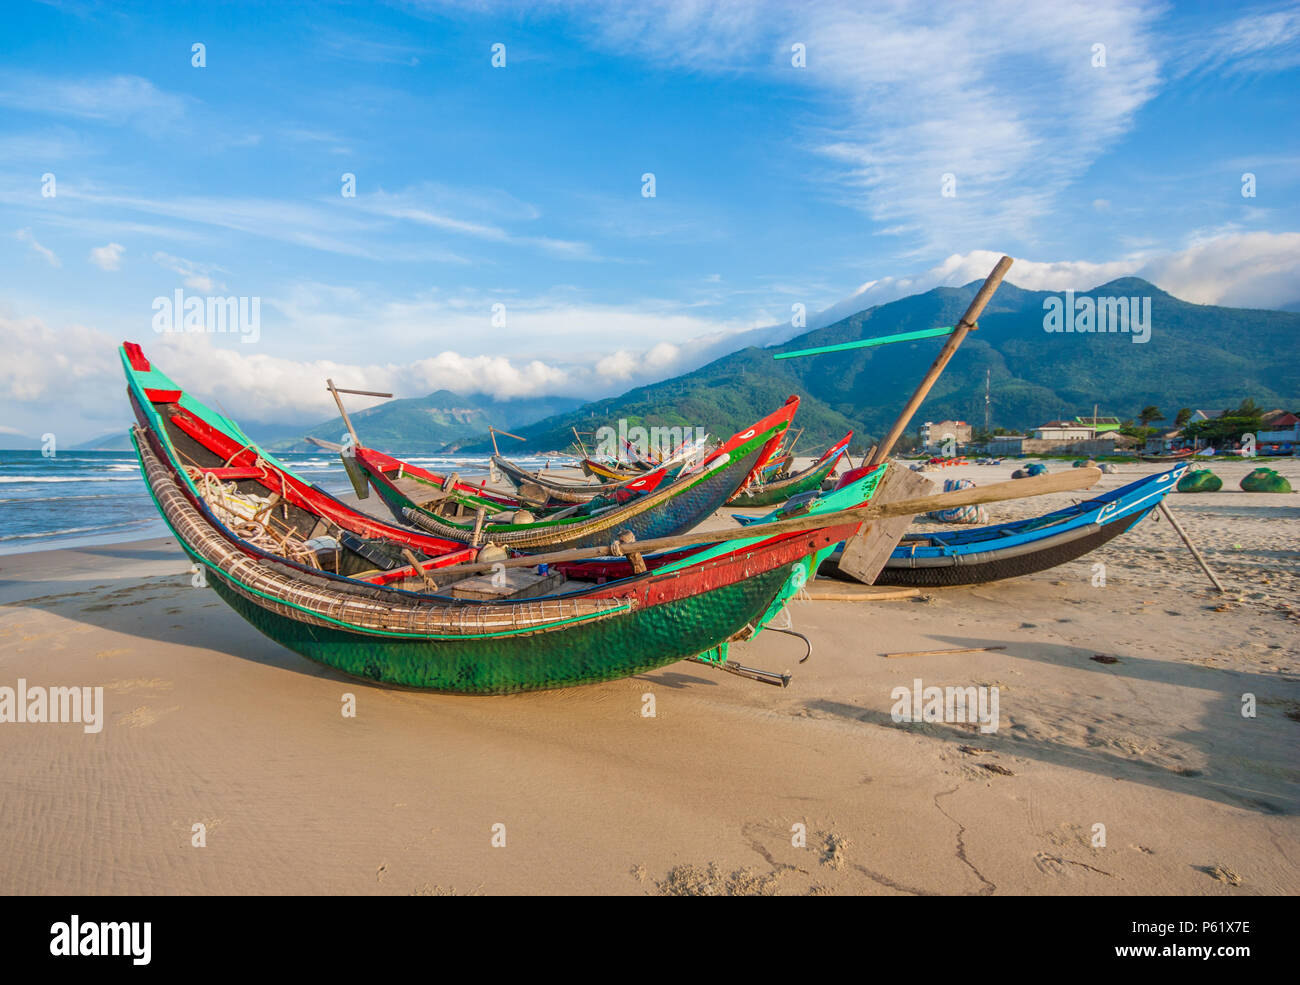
[97, 497]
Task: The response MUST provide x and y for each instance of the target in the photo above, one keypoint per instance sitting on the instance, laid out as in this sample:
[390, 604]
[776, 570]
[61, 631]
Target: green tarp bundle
[1265, 480]
[1200, 480]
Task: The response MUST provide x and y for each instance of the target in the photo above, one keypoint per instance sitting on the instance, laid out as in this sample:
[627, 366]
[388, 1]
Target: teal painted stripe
[925, 333]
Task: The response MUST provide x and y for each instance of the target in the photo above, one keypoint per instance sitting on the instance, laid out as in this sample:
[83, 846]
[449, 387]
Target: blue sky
[522, 185]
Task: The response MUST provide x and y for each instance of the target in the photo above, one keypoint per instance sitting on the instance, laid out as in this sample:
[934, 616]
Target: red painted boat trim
[298, 493]
[135, 356]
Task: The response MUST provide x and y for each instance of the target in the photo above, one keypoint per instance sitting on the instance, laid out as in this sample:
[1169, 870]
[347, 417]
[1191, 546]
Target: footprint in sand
[117, 652]
[153, 683]
[144, 716]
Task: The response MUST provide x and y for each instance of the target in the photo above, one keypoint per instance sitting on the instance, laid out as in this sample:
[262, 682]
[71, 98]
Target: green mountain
[1197, 356]
[437, 424]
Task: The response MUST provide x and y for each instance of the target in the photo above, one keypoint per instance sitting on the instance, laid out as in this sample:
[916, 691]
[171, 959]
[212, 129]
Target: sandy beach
[208, 722]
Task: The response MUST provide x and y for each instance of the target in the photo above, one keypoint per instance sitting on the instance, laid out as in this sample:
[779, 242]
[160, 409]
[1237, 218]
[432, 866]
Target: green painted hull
[607, 649]
[778, 492]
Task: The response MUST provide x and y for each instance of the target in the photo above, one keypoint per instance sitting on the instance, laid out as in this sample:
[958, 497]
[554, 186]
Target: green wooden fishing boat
[667, 508]
[774, 492]
[385, 603]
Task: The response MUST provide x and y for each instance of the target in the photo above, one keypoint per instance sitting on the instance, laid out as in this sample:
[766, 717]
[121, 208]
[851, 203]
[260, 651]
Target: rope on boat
[248, 516]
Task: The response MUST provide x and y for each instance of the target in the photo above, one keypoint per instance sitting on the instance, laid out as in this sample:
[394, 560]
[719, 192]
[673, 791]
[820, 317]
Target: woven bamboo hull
[997, 568]
[631, 642]
[775, 493]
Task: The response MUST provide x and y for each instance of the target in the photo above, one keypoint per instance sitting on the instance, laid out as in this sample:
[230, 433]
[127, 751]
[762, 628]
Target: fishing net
[1200, 480]
[961, 514]
[1265, 480]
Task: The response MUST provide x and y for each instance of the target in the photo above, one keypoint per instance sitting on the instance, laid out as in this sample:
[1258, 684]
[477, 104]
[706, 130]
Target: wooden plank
[514, 584]
[830, 590]
[865, 554]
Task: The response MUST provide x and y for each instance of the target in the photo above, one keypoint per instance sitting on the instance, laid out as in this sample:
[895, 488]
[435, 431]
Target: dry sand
[209, 722]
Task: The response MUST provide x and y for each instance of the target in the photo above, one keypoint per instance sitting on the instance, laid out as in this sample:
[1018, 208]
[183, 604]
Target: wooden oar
[1038, 485]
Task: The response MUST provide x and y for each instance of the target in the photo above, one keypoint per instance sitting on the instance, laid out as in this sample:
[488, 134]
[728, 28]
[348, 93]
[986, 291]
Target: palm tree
[1150, 413]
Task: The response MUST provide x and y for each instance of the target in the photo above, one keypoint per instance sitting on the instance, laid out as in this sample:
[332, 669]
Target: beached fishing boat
[534, 486]
[1178, 456]
[635, 466]
[1006, 550]
[646, 508]
[773, 492]
[386, 604]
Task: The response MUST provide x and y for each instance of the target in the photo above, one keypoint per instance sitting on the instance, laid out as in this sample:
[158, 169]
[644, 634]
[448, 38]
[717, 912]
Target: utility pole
[988, 378]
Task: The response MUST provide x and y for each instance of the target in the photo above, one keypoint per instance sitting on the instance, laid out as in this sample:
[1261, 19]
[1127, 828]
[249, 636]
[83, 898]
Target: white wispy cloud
[26, 236]
[118, 99]
[376, 225]
[1260, 40]
[1002, 95]
[192, 274]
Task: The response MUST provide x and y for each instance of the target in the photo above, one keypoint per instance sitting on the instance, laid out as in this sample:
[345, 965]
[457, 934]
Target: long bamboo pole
[968, 320]
[1038, 485]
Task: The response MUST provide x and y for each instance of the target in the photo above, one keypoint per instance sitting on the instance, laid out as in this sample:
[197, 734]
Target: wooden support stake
[1178, 529]
[638, 562]
[968, 322]
[419, 570]
[479, 516]
[936, 653]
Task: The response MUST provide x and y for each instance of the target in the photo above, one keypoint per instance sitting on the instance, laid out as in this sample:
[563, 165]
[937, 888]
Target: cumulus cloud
[1257, 270]
[259, 385]
[107, 257]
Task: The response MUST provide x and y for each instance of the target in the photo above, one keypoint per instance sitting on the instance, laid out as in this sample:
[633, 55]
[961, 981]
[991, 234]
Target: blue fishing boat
[1006, 550]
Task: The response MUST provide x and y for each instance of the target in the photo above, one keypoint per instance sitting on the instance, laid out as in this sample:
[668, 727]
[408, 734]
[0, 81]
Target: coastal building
[1099, 425]
[1280, 433]
[1163, 444]
[935, 433]
[1063, 431]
